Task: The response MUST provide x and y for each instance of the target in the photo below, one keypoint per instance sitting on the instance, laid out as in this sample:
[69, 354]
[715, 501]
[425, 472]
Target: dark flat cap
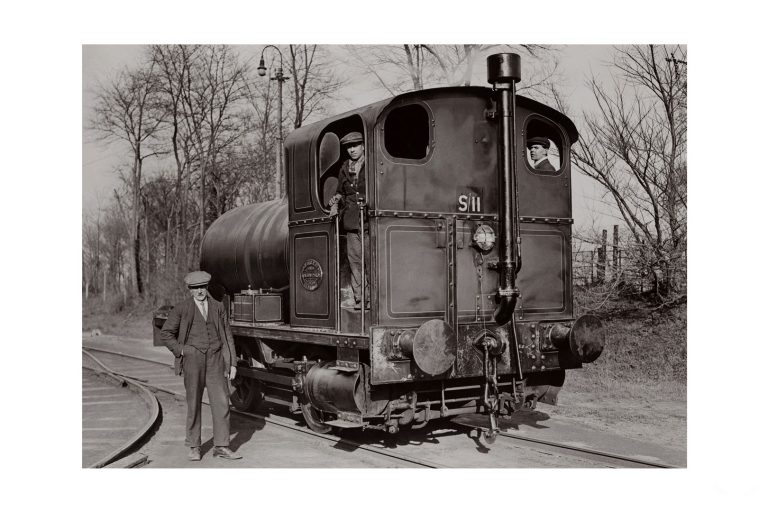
[352, 138]
[541, 141]
[197, 278]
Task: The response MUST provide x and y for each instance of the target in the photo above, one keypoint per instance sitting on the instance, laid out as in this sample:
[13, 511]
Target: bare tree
[216, 85]
[173, 65]
[635, 147]
[126, 111]
[262, 98]
[314, 82]
[410, 67]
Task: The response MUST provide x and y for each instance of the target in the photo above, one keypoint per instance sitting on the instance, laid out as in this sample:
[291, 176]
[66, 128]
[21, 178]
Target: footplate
[481, 422]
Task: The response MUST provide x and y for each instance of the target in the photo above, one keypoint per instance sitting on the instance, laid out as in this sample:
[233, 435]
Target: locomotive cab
[469, 265]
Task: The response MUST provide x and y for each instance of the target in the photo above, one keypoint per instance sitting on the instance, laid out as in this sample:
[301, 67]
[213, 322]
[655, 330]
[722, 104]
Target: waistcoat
[202, 333]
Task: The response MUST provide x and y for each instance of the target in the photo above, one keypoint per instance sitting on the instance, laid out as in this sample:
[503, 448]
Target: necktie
[205, 309]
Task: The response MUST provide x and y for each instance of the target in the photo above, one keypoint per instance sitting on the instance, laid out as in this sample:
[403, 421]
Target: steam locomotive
[471, 310]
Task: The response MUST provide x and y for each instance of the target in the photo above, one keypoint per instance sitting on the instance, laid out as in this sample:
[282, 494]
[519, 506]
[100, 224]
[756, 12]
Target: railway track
[118, 412]
[596, 458]
[177, 390]
[610, 459]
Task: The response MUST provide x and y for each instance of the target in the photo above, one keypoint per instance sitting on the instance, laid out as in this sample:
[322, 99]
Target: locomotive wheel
[245, 392]
[314, 419]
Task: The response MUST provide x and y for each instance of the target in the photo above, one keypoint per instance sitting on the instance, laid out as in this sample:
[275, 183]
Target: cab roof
[371, 112]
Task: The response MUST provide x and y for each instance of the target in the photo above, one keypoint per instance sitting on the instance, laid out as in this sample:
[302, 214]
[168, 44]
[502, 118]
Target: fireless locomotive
[469, 265]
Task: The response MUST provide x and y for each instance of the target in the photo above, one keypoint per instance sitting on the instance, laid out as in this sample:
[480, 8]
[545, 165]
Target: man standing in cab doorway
[539, 148]
[197, 332]
[349, 198]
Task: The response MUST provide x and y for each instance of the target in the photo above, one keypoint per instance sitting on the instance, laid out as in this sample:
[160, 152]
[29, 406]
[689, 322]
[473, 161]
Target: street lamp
[262, 70]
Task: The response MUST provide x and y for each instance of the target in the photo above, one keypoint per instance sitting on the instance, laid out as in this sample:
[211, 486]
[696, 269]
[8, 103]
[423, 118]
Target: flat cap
[541, 141]
[197, 278]
[352, 138]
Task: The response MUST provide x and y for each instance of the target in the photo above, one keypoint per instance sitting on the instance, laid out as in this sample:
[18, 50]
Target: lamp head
[262, 70]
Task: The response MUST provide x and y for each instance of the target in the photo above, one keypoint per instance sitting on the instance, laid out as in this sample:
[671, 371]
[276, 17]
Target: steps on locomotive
[350, 319]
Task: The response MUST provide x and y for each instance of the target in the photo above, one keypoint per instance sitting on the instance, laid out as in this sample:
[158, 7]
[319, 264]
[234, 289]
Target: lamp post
[262, 70]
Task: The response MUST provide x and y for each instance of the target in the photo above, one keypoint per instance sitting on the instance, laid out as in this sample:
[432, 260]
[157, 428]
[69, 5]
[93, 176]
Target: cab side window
[406, 132]
[329, 160]
[543, 147]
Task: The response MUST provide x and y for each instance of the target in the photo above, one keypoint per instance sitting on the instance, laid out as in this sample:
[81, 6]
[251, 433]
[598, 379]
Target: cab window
[330, 156]
[406, 132]
[543, 147]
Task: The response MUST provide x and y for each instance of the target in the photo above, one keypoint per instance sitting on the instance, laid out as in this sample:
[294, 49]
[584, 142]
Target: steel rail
[149, 398]
[587, 453]
[302, 430]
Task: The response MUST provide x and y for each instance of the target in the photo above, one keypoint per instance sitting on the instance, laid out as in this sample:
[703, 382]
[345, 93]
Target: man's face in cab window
[356, 150]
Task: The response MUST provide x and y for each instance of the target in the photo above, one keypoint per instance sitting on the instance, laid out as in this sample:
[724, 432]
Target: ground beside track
[437, 442]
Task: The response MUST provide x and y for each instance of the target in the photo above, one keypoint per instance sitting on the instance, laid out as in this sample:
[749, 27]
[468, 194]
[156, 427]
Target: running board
[343, 424]
[346, 420]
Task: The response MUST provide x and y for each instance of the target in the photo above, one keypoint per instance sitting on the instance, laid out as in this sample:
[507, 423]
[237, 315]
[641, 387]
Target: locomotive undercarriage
[310, 380]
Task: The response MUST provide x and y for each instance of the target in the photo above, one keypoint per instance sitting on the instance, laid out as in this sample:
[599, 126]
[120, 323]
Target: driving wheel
[245, 392]
[314, 418]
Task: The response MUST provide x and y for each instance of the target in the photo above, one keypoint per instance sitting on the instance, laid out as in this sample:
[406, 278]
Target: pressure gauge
[484, 237]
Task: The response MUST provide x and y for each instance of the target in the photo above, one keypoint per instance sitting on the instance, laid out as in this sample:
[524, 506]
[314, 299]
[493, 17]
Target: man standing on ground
[197, 332]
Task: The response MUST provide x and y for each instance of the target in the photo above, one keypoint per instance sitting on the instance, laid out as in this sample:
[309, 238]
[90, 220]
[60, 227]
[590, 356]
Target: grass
[638, 386]
[118, 317]
[644, 349]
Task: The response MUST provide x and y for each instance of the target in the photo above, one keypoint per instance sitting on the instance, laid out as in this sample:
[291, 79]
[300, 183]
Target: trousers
[355, 258]
[206, 370]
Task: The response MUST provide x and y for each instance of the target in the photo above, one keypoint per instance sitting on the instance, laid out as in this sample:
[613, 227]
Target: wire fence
[624, 267]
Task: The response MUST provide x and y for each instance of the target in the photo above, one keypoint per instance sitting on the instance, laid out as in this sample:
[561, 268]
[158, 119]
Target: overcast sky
[102, 62]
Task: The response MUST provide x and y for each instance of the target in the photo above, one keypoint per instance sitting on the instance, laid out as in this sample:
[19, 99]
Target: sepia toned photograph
[384, 256]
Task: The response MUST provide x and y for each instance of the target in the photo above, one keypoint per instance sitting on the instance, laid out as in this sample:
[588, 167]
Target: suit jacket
[349, 188]
[175, 331]
[545, 165]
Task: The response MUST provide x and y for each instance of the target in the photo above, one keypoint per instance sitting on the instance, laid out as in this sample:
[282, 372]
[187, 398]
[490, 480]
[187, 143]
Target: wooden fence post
[601, 257]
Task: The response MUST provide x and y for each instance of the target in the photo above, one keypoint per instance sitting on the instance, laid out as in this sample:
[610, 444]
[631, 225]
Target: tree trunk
[202, 206]
[137, 258]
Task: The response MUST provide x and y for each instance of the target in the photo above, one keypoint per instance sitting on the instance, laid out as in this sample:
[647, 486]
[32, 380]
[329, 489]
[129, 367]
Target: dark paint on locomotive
[247, 247]
[421, 231]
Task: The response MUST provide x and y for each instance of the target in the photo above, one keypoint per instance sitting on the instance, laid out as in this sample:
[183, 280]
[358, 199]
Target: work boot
[194, 453]
[225, 453]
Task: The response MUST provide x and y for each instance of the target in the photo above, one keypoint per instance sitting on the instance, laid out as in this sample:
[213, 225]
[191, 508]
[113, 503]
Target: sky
[102, 62]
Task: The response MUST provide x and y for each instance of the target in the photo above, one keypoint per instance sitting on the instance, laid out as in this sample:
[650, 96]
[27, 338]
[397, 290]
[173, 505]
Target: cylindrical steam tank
[248, 246]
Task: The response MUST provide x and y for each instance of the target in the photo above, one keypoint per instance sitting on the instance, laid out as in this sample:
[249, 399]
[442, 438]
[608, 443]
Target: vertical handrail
[453, 311]
[361, 206]
[338, 275]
